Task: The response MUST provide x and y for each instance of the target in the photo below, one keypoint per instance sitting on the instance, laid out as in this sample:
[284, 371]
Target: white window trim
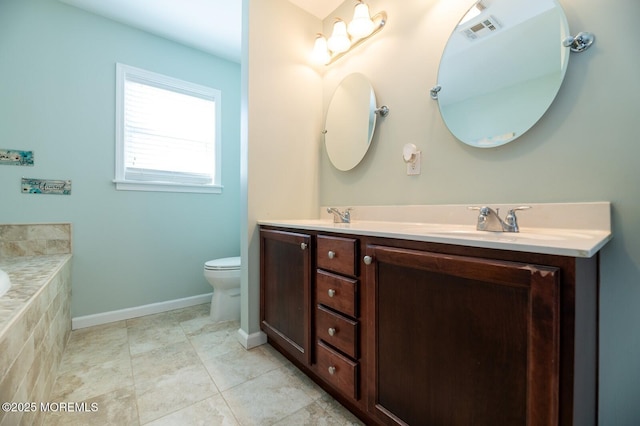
[122, 71]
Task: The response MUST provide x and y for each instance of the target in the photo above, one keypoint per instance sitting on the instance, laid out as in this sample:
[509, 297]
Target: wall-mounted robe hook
[580, 42]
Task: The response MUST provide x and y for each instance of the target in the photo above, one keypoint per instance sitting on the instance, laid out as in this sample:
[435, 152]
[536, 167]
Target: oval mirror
[501, 69]
[350, 122]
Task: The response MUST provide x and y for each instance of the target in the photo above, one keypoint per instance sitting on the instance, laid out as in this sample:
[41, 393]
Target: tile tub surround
[35, 324]
[34, 239]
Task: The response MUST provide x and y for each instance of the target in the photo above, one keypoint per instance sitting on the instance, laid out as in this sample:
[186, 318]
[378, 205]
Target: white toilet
[224, 276]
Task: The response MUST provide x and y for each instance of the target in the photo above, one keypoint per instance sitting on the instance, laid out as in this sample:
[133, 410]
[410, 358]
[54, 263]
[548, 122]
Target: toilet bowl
[224, 276]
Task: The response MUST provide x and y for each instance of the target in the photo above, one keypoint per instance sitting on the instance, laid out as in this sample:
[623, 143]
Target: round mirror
[501, 69]
[350, 122]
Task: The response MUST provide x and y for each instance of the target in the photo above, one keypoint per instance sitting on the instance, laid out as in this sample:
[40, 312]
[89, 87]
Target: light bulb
[361, 25]
[475, 10]
[320, 52]
[339, 41]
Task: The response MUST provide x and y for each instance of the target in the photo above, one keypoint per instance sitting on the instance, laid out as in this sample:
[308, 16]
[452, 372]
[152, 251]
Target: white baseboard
[252, 340]
[138, 311]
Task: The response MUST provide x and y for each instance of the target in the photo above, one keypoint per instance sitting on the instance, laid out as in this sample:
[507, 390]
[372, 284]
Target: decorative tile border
[46, 186]
[16, 157]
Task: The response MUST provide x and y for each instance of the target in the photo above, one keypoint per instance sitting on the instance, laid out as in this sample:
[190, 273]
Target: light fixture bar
[379, 20]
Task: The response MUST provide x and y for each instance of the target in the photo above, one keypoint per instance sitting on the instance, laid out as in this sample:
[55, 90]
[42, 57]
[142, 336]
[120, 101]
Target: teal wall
[57, 98]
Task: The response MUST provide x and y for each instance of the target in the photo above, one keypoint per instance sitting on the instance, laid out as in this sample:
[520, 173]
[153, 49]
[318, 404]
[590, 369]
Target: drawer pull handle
[303, 246]
[332, 370]
[331, 292]
[368, 260]
[332, 331]
[331, 254]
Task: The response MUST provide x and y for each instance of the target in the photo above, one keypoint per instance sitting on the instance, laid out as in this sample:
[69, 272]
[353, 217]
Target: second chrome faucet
[340, 217]
[489, 219]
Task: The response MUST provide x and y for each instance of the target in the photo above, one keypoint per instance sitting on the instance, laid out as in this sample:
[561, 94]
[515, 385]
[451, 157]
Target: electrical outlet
[413, 167]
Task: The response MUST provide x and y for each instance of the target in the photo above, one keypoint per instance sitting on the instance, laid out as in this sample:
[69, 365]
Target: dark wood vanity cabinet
[432, 334]
[285, 291]
[457, 340]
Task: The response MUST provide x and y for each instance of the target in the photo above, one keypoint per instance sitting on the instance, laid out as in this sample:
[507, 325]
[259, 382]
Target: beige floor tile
[337, 411]
[274, 355]
[266, 399]
[204, 324]
[90, 381]
[305, 384]
[211, 411]
[239, 365]
[186, 314]
[143, 339]
[311, 415]
[170, 392]
[95, 345]
[152, 321]
[181, 368]
[210, 339]
[117, 408]
[105, 332]
[162, 361]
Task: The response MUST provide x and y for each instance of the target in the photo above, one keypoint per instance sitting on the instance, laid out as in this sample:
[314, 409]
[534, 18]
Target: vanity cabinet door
[457, 340]
[285, 291]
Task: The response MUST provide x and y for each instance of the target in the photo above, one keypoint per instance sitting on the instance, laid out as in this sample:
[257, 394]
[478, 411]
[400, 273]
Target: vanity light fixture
[361, 25]
[339, 41]
[476, 10]
[345, 37]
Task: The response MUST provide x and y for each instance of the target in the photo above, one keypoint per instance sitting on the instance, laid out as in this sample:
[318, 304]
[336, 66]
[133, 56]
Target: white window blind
[168, 133]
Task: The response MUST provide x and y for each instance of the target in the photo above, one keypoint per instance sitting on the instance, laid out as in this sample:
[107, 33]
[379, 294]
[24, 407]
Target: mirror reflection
[350, 122]
[501, 69]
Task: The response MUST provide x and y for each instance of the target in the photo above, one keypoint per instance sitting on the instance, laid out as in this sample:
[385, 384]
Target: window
[167, 133]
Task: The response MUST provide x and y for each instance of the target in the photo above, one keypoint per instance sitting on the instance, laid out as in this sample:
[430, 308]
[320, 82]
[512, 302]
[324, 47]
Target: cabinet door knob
[367, 260]
[331, 331]
[303, 246]
[332, 370]
[331, 292]
[331, 254]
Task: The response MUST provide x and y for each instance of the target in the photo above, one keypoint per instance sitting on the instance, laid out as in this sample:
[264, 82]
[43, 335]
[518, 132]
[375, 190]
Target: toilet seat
[224, 264]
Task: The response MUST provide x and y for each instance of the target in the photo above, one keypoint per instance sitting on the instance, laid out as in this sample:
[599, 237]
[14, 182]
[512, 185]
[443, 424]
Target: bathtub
[35, 324]
[35, 318]
[5, 282]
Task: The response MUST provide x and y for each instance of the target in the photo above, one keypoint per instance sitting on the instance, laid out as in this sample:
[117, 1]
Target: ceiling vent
[482, 29]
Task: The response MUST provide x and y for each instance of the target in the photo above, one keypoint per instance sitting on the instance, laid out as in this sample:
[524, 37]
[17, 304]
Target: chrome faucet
[340, 217]
[489, 219]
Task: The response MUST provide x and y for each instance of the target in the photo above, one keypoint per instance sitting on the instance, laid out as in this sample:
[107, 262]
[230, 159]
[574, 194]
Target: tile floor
[180, 368]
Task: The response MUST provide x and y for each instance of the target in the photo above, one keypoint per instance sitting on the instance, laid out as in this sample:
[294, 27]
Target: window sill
[122, 185]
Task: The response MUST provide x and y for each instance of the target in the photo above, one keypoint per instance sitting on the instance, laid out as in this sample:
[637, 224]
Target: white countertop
[455, 224]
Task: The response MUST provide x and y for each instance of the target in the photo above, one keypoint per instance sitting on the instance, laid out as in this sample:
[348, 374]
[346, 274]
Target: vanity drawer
[338, 331]
[337, 292]
[337, 254]
[338, 370]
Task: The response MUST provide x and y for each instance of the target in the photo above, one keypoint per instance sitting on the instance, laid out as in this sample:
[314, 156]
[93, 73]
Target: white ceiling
[213, 26]
[318, 8]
